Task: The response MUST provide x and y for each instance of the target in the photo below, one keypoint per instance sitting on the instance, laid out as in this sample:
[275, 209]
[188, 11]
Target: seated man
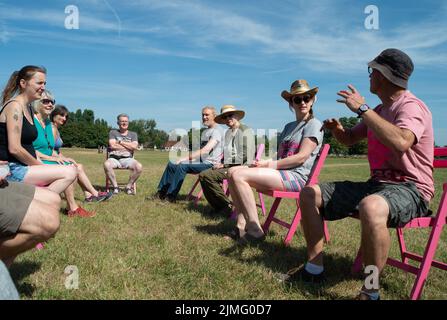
[122, 144]
[28, 215]
[239, 149]
[210, 154]
[400, 154]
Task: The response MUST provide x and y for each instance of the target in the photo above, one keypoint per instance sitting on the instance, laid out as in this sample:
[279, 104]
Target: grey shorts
[341, 200]
[123, 163]
[15, 199]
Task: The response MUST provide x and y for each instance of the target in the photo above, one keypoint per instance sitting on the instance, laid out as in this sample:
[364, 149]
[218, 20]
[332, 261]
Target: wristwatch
[362, 109]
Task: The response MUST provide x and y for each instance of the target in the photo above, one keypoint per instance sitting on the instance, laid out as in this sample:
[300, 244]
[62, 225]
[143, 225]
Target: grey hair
[210, 108]
[122, 115]
[36, 103]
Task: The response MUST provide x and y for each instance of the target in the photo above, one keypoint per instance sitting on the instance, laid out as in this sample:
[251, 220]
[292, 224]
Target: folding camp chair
[279, 195]
[436, 223]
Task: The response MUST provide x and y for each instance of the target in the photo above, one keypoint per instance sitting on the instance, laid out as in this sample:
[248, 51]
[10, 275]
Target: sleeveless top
[58, 143]
[28, 135]
[44, 142]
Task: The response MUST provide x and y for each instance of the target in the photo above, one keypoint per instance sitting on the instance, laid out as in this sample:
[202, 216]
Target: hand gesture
[352, 98]
[331, 125]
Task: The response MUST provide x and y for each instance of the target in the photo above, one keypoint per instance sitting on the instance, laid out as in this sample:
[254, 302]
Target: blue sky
[164, 60]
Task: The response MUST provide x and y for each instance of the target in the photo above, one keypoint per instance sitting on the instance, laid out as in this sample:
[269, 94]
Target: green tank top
[44, 142]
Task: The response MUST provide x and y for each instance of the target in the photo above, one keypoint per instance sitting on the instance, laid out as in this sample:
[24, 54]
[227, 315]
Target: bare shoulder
[13, 110]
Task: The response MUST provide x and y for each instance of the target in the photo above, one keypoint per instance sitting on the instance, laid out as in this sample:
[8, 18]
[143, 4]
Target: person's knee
[138, 167]
[204, 176]
[373, 211]
[71, 172]
[108, 166]
[308, 196]
[80, 168]
[231, 172]
[50, 223]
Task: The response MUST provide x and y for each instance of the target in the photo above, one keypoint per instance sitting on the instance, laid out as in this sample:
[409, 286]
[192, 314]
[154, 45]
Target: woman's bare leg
[56, 177]
[241, 183]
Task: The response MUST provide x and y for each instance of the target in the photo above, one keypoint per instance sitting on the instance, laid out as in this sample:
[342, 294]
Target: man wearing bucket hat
[199, 160]
[298, 146]
[400, 154]
[239, 149]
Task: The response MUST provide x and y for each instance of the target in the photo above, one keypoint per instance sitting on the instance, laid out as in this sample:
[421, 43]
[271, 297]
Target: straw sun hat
[227, 109]
[298, 87]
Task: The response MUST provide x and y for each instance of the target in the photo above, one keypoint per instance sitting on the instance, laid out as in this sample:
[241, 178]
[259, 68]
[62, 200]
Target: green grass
[137, 249]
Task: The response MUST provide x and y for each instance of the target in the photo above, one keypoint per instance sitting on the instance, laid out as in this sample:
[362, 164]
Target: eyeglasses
[48, 101]
[227, 116]
[370, 70]
[300, 99]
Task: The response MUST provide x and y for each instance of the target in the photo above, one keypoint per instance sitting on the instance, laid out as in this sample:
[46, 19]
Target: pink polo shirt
[416, 164]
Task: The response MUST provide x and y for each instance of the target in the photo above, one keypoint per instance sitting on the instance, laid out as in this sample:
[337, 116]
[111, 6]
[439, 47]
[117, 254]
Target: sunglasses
[300, 99]
[48, 101]
[228, 116]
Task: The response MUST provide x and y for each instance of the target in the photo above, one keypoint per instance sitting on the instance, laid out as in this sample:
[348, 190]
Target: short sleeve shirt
[130, 137]
[291, 138]
[416, 164]
[216, 133]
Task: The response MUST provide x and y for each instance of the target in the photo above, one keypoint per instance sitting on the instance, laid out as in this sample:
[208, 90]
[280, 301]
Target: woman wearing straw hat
[298, 146]
[239, 149]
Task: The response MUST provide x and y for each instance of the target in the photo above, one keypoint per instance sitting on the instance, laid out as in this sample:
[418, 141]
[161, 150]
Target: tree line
[84, 131]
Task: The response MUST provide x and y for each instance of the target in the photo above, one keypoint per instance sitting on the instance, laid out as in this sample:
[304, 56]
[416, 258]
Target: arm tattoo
[16, 115]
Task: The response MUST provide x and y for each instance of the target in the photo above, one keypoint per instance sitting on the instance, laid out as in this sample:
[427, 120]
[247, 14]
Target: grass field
[137, 249]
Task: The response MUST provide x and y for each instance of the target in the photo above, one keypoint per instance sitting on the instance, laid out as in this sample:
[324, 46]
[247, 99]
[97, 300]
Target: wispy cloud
[195, 29]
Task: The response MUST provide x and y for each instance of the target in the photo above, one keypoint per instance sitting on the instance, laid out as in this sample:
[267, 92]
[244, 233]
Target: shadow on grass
[207, 212]
[279, 258]
[21, 270]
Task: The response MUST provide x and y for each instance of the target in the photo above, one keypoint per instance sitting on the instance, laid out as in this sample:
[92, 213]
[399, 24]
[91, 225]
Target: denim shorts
[341, 199]
[17, 172]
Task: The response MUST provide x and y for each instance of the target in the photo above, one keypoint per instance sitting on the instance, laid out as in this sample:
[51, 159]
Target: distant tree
[338, 148]
[82, 130]
[148, 135]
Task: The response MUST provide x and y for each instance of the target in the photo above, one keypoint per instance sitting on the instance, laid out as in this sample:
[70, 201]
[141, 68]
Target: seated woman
[58, 118]
[298, 147]
[45, 150]
[17, 133]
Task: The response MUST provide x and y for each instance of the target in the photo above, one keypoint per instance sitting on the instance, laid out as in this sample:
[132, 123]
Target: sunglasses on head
[48, 101]
[300, 99]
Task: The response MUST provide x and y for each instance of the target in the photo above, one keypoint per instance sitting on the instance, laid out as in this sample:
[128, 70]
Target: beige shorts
[15, 199]
[123, 163]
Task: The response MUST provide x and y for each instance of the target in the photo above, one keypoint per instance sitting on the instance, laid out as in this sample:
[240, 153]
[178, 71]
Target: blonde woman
[299, 144]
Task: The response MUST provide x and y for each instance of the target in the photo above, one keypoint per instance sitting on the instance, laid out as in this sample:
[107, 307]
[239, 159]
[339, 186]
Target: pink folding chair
[436, 223]
[279, 195]
[196, 198]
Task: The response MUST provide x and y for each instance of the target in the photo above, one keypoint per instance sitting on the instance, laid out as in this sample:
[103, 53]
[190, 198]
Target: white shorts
[123, 163]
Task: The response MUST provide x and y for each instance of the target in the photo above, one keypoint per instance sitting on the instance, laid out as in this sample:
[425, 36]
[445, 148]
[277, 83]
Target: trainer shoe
[102, 196]
[81, 212]
[301, 274]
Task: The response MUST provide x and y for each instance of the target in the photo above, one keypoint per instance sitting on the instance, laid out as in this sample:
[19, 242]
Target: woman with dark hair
[18, 131]
[58, 118]
[298, 147]
[45, 150]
